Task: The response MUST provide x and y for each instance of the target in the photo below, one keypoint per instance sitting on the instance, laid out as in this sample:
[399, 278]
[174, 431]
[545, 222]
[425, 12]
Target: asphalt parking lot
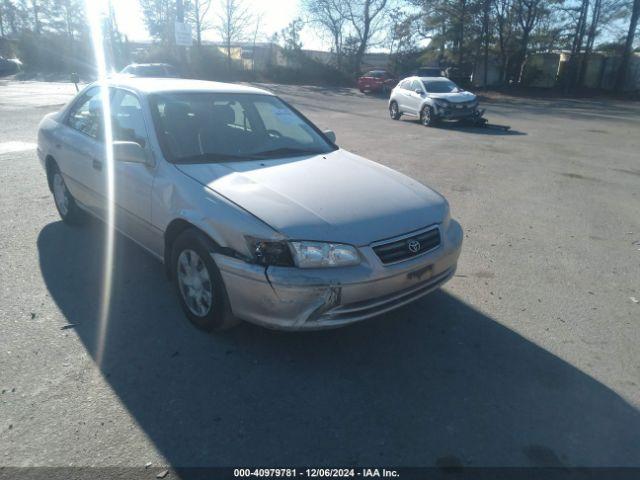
[529, 357]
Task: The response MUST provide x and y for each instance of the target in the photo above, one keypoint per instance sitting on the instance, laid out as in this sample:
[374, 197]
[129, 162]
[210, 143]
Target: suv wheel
[427, 118]
[394, 112]
[198, 282]
[66, 205]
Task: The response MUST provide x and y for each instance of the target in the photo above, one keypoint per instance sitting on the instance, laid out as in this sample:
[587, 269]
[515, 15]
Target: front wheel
[427, 117]
[198, 283]
[394, 112]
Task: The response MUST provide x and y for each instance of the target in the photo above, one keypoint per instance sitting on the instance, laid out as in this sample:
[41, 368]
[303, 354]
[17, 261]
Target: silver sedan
[257, 214]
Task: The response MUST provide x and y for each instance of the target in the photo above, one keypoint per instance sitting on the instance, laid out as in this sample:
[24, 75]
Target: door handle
[97, 164]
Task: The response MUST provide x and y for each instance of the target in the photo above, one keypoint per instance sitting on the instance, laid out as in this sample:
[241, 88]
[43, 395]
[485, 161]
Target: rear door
[79, 149]
[403, 96]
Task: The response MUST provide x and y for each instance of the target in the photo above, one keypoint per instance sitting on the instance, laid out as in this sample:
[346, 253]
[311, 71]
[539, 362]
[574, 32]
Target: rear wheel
[198, 283]
[394, 112]
[66, 205]
[427, 117]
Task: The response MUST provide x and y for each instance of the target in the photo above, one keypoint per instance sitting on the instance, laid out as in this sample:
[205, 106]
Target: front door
[133, 181]
[414, 99]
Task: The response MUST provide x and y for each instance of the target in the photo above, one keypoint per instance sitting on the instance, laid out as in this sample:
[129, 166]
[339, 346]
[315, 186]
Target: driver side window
[416, 85]
[282, 122]
[127, 119]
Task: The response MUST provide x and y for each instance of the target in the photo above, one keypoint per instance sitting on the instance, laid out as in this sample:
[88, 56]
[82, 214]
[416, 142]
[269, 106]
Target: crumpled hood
[338, 196]
[457, 97]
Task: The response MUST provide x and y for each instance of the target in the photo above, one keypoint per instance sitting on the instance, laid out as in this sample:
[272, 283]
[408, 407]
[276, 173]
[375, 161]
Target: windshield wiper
[288, 151]
[212, 157]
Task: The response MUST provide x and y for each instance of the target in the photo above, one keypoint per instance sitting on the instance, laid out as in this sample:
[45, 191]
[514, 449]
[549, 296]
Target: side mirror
[129, 152]
[419, 91]
[331, 135]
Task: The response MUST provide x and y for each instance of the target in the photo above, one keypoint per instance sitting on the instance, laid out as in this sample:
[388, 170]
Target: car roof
[157, 85]
[149, 65]
[417, 77]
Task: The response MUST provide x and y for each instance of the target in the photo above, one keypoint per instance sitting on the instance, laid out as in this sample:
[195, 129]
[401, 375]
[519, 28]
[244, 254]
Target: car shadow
[435, 383]
[489, 129]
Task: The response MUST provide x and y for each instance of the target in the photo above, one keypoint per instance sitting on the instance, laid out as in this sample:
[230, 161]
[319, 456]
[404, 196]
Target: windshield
[149, 71]
[196, 127]
[440, 86]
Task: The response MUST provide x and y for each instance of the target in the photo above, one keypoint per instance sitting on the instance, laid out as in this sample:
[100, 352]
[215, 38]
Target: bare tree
[37, 25]
[504, 13]
[329, 15]
[364, 16]
[2, 15]
[628, 45]
[198, 14]
[486, 37]
[234, 20]
[528, 13]
[576, 45]
[596, 12]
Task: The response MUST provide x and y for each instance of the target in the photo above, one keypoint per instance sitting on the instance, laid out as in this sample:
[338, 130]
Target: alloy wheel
[195, 283]
[393, 110]
[426, 116]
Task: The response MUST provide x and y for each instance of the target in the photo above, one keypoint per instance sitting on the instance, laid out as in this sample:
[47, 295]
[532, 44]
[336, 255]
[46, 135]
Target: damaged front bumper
[459, 113]
[289, 298]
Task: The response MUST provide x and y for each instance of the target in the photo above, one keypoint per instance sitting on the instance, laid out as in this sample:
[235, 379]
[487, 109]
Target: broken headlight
[269, 252]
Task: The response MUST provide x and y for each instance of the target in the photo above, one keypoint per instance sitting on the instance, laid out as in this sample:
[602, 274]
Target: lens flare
[95, 12]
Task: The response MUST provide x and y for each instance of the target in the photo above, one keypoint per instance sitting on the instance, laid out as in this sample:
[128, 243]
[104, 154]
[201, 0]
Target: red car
[377, 81]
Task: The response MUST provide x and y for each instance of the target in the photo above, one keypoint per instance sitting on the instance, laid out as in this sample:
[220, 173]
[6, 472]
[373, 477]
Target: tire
[198, 283]
[394, 112]
[66, 205]
[427, 118]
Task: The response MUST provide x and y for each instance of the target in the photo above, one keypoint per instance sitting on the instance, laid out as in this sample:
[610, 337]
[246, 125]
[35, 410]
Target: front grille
[408, 247]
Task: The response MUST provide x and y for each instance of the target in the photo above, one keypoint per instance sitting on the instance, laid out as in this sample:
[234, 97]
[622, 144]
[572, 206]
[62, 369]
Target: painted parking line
[12, 147]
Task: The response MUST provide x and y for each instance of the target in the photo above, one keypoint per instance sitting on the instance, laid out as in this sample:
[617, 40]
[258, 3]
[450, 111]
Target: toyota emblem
[414, 246]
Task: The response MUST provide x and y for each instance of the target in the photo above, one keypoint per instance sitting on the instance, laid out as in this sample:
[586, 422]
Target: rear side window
[406, 84]
[86, 115]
